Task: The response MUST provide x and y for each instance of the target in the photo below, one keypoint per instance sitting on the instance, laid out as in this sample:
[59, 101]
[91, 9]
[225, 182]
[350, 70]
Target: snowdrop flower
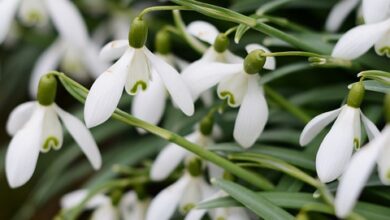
[375, 32]
[186, 192]
[336, 149]
[339, 13]
[133, 71]
[63, 13]
[35, 127]
[228, 213]
[238, 84]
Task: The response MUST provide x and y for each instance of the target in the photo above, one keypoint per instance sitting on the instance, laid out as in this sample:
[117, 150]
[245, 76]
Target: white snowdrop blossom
[240, 89]
[336, 149]
[133, 71]
[185, 193]
[375, 32]
[36, 128]
[228, 213]
[129, 207]
[339, 13]
[359, 169]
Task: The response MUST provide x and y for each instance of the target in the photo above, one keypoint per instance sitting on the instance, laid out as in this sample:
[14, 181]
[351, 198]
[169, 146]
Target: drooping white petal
[90, 59]
[192, 195]
[106, 91]
[336, 149]
[339, 13]
[82, 136]
[74, 198]
[375, 10]
[316, 125]
[252, 116]
[232, 58]
[383, 161]
[113, 50]
[359, 40]
[371, 130]
[105, 212]
[7, 12]
[19, 116]
[196, 214]
[236, 213]
[48, 61]
[139, 73]
[149, 105]
[203, 30]
[52, 136]
[201, 76]
[214, 171]
[382, 47]
[173, 82]
[355, 176]
[131, 208]
[270, 62]
[233, 89]
[68, 21]
[168, 159]
[165, 203]
[127, 203]
[23, 151]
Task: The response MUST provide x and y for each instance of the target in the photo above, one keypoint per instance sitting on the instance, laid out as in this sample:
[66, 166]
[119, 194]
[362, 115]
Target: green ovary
[51, 142]
[135, 87]
[356, 144]
[229, 97]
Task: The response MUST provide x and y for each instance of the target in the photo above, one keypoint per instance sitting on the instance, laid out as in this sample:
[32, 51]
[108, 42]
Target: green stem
[80, 93]
[284, 23]
[271, 6]
[230, 30]
[292, 53]
[161, 8]
[287, 105]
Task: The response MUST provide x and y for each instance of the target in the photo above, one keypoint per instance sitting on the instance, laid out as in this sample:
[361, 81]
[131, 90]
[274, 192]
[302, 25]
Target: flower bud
[206, 125]
[47, 90]
[163, 42]
[387, 108]
[194, 166]
[221, 43]
[356, 95]
[138, 33]
[254, 61]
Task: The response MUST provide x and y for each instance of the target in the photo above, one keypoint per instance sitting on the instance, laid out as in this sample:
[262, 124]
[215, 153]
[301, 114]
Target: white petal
[7, 12]
[196, 214]
[375, 10]
[139, 73]
[233, 89]
[384, 162]
[82, 136]
[74, 198]
[105, 212]
[371, 129]
[214, 170]
[180, 63]
[23, 151]
[165, 203]
[339, 13]
[359, 40]
[173, 82]
[203, 30]
[52, 136]
[33, 13]
[336, 149]
[355, 176]
[113, 50]
[90, 59]
[382, 47]
[236, 213]
[19, 116]
[48, 61]
[192, 195]
[68, 21]
[232, 58]
[315, 126]
[270, 62]
[201, 76]
[168, 159]
[149, 105]
[252, 116]
[127, 203]
[106, 92]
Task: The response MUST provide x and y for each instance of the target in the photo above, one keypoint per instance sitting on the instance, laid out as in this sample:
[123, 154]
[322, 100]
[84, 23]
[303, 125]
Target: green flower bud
[194, 166]
[254, 61]
[387, 108]
[47, 90]
[206, 125]
[163, 42]
[138, 33]
[221, 43]
[356, 95]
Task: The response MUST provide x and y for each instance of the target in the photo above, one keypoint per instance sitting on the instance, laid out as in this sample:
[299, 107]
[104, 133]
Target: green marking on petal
[140, 83]
[220, 218]
[385, 51]
[186, 208]
[229, 97]
[356, 144]
[50, 142]
[388, 174]
[34, 16]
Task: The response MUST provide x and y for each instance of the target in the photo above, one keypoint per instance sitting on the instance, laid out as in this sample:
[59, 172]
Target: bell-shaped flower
[37, 128]
[133, 71]
[359, 169]
[375, 32]
[185, 193]
[64, 15]
[339, 13]
[228, 213]
[336, 148]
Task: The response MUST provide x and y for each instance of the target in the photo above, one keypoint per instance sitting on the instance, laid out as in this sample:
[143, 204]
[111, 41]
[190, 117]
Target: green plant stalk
[161, 8]
[292, 53]
[80, 93]
[284, 23]
[271, 6]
